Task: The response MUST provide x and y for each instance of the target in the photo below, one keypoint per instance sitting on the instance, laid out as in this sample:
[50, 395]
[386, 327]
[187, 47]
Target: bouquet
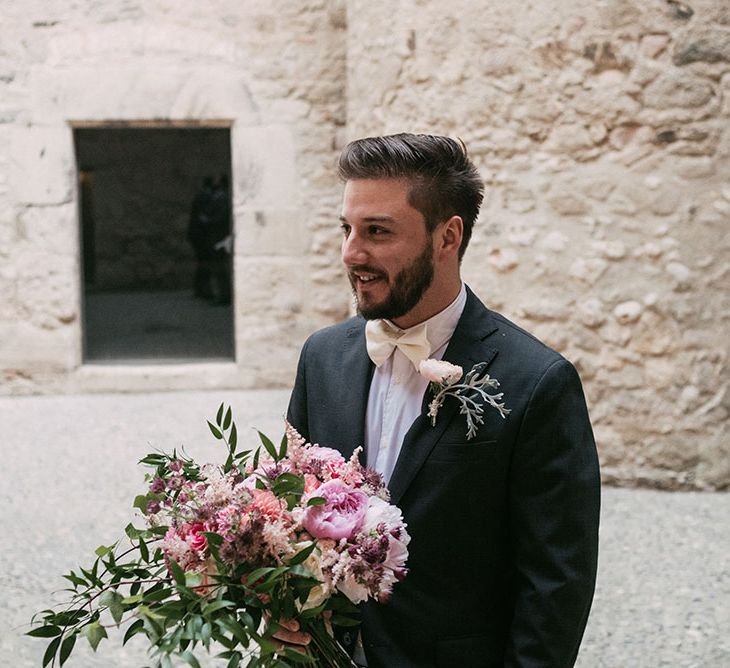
[293, 532]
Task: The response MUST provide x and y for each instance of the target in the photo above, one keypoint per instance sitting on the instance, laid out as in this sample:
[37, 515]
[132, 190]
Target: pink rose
[194, 536]
[439, 371]
[340, 516]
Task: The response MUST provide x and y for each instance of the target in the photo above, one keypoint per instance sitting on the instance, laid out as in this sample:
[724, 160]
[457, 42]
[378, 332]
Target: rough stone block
[678, 89]
[271, 232]
[264, 166]
[41, 165]
[705, 44]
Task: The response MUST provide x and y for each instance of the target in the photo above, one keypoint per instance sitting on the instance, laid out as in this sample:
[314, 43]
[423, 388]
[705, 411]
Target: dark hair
[444, 182]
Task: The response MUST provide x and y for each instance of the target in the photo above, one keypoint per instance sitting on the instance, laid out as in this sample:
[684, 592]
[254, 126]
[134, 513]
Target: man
[504, 525]
[199, 238]
[221, 241]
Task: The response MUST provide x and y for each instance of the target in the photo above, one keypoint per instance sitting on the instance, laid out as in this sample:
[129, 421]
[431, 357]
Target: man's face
[386, 249]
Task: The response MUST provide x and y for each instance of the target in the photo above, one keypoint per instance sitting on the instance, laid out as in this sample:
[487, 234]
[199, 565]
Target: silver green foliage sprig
[472, 393]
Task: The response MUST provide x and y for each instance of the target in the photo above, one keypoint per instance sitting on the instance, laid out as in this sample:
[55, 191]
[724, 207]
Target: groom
[504, 526]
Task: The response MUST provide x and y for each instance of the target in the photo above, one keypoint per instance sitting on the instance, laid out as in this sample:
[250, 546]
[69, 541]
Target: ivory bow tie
[382, 339]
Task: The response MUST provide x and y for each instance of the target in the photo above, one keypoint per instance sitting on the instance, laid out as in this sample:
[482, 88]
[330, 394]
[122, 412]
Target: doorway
[156, 243]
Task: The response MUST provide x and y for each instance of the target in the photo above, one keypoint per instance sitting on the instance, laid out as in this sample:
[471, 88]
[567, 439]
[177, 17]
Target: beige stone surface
[602, 132]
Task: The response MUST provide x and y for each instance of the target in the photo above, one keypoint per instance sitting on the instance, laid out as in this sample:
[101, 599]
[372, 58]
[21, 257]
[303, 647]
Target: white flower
[321, 592]
[350, 587]
[381, 512]
[439, 371]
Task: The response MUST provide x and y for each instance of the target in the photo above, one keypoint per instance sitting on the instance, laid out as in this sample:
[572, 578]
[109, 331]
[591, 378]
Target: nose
[354, 251]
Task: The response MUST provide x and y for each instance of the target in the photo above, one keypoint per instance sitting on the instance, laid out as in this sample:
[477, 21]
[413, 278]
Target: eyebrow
[373, 219]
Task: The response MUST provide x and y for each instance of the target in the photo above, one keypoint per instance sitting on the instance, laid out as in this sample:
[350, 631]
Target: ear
[449, 236]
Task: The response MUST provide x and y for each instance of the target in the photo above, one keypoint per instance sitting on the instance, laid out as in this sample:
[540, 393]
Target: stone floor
[69, 475]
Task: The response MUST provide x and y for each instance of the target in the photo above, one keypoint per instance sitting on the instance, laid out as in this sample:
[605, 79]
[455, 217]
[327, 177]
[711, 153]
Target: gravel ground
[69, 474]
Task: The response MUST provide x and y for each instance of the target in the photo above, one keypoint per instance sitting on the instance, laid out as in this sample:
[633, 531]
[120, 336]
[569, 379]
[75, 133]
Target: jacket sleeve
[297, 412]
[554, 513]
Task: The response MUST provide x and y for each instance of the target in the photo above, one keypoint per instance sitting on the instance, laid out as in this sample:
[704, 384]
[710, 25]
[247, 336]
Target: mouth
[362, 280]
[364, 276]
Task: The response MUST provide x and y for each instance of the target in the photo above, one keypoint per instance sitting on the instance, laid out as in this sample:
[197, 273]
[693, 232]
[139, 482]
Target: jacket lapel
[466, 348]
[355, 374]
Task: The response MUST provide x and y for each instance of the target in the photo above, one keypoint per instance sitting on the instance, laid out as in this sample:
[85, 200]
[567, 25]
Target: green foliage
[133, 587]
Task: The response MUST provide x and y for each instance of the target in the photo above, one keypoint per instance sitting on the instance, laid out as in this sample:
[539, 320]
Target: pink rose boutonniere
[471, 391]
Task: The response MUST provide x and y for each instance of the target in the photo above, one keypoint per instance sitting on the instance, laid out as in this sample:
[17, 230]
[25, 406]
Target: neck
[434, 300]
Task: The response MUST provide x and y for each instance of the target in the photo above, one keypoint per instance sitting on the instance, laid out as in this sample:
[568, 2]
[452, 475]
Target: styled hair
[443, 181]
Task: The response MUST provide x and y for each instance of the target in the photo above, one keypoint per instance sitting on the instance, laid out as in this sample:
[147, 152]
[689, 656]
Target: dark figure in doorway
[201, 239]
[221, 240]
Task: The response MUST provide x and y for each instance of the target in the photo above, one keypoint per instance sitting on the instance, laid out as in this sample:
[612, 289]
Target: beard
[406, 289]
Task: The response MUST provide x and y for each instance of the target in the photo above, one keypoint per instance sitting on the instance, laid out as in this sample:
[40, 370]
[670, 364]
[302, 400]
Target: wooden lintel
[153, 123]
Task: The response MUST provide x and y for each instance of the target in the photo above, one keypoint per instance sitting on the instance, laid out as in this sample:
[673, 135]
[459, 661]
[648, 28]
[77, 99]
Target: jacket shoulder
[524, 346]
[330, 336]
[520, 334]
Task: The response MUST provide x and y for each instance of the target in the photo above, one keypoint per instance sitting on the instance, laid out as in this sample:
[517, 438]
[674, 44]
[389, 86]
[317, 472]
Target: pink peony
[439, 371]
[325, 454]
[341, 516]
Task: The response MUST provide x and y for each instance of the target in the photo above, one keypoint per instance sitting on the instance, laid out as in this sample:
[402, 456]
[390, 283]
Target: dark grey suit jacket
[504, 527]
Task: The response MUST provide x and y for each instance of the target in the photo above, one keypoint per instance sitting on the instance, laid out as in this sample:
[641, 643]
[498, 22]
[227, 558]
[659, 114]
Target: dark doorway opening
[156, 243]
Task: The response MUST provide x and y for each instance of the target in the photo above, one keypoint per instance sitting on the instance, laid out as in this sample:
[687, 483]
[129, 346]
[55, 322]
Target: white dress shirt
[397, 389]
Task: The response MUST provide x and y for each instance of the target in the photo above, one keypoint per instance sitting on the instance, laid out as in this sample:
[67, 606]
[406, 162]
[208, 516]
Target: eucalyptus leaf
[235, 629]
[189, 657]
[210, 608]
[270, 448]
[45, 632]
[134, 628]
[66, 647]
[51, 651]
[297, 657]
[178, 573]
[342, 620]
[301, 556]
[219, 415]
[215, 431]
[235, 660]
[75, 579]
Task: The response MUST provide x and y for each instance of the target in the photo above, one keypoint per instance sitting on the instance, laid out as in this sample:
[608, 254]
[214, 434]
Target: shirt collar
[440, 327]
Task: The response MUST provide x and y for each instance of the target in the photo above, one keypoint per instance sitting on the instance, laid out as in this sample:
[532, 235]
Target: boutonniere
[471, 391]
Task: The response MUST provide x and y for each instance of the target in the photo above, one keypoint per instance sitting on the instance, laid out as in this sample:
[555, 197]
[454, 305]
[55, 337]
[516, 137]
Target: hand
[288, 636]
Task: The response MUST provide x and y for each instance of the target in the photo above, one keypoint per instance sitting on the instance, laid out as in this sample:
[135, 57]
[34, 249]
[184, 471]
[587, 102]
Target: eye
[345, 229]
[376, 230]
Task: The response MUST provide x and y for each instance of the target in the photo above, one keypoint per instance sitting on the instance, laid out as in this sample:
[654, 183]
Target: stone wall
[274, 72]
[601, 130]
[603, 133]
